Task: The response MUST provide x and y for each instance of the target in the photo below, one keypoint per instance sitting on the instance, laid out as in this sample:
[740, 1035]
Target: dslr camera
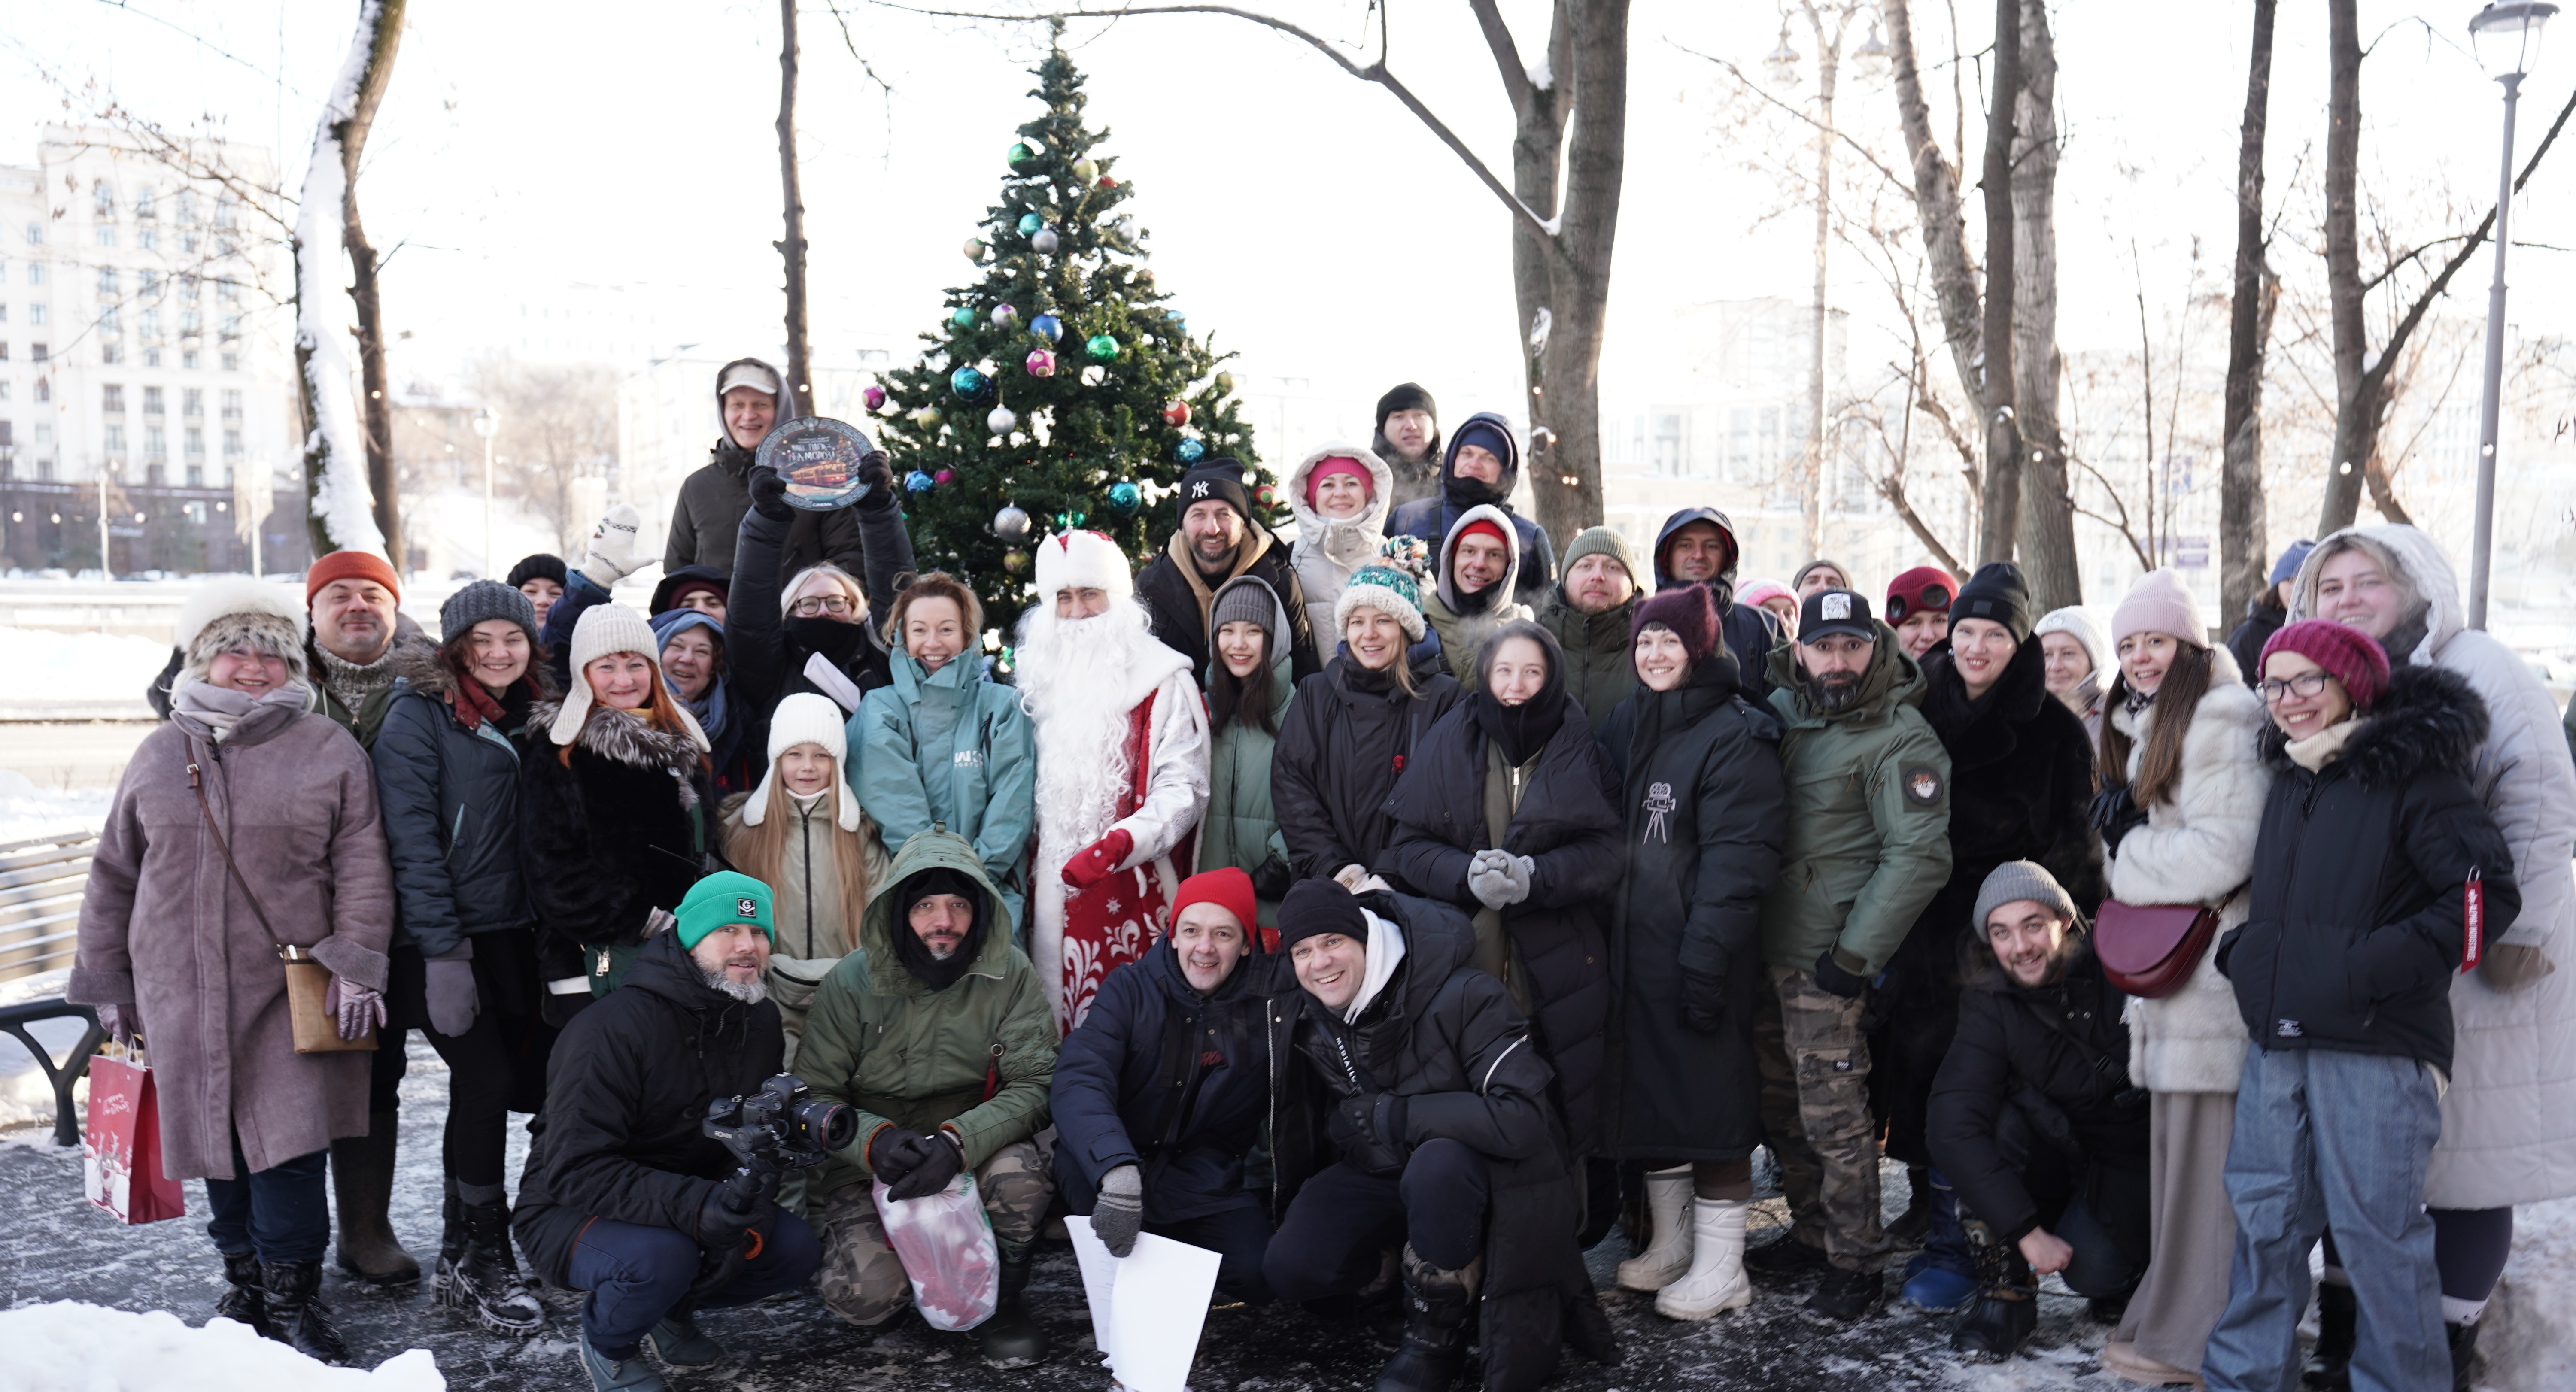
[780, 1128]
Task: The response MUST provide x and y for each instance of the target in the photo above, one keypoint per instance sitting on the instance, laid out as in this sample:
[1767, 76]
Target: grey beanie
[2014, 881]
[1245, 599]
[485, 599]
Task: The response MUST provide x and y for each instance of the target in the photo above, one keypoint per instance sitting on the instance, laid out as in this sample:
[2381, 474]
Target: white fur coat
[2196, 850]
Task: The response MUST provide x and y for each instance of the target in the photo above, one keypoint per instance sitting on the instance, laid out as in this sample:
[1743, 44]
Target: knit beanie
[1481, 527]
[350, 565]
[1758, 592]
[541, 566]
[1316, 907]
[1338, 464]
[2014, 881]
[1689, 611]
[1996, 593]
[1406, 396]
[1226, 887]
[485, 599]
[1924, 588]
[2352, 656]
[808, 718]
[2160, 603]
[721, 900]
[2287, 568]
[2085, 627]
[1810, 568]
[1597, 541]
[1386, 589]
[614, 628]
[237, 611]
[1487, 436]
[1246, 599]
[1215, 480]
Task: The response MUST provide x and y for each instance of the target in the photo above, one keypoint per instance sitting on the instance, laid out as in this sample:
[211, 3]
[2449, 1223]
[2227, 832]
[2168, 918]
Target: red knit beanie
[2350, 655]
[1922, 589]
[1480, 527]
[350, 565]
[1226, 887]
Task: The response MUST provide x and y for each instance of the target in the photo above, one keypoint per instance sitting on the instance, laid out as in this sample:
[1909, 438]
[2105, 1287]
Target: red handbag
[2149, 950]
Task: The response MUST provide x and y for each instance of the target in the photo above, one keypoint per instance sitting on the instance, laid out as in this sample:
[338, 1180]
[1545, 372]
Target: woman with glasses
[1918, 608]
[812, 634]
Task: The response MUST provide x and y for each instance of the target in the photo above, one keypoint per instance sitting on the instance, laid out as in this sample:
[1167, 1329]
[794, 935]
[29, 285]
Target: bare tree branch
[1756, 89]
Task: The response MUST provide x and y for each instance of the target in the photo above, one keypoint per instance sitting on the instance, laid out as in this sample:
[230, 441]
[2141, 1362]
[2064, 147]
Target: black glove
[720, 1229]
[1831, 976]
[768, 494]
[1272, 878]
[1704, 1000]
[1369, 1129]
[2115, 813]
[940, 1160]
[893, 1151]
[877, 472]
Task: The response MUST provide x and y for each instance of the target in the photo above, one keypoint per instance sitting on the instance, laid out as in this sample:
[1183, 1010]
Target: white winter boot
[1716, 1280]
[1668, 1253]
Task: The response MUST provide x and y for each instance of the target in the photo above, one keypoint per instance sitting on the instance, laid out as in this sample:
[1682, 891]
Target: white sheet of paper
[1148, 1307]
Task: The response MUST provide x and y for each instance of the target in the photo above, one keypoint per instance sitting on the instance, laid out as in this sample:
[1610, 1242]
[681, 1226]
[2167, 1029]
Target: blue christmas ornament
[918, 482]
[963, 317]
[1048, 327]
[1125, 498]
[1190, 451]
[1030, 223]
[1178, 323]
[967, 383]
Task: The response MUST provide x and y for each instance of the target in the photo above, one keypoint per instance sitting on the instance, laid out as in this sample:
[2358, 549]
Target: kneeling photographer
[626, 1194]
[937, 1033]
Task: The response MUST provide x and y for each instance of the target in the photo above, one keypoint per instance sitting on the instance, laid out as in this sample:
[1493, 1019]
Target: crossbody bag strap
[197, 786]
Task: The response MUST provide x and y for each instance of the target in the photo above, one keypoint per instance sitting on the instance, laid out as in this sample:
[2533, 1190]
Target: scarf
[916, 957]
[473, 703]
[212, 712]
[2137, 701]
[2323, 747]
[1522, 731]
[712, 711]
[351, 683]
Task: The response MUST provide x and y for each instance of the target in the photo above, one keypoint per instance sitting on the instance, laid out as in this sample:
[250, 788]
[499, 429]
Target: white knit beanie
[807, 718]
[614, 628]
[2085, 627]
[2160, 603]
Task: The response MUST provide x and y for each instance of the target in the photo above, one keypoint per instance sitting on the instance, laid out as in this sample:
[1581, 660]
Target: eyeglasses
[1932, 597]
[834, 605]
[2305, 686]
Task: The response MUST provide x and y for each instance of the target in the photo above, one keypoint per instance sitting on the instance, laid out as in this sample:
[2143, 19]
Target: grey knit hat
[1246, 599]
[2014, 881]
[486, 599]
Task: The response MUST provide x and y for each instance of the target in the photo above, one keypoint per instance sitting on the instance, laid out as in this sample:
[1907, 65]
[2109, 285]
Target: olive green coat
[1869, 816]
[901, 1054]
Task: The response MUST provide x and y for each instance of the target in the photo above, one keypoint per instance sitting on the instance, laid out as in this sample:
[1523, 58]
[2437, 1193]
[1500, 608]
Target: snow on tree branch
[335, 451]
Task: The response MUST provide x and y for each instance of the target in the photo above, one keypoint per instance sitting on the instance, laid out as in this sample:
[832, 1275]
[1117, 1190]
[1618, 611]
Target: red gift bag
[121, 1152]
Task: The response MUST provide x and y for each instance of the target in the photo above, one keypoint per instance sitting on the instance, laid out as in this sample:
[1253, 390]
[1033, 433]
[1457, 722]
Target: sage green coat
[1239, 828]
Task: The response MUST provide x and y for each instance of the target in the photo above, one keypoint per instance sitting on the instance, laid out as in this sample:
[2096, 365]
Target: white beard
[1075, 681]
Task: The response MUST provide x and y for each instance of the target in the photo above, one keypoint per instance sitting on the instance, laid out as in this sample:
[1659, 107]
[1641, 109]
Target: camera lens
[827, 1125]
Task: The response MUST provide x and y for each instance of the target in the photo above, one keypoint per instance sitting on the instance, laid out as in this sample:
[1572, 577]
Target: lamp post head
[485, 423]
[1783, 61]
[2507, 36]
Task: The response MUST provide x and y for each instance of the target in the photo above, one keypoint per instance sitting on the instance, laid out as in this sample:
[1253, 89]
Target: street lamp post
[485, 423]
[2507, 36]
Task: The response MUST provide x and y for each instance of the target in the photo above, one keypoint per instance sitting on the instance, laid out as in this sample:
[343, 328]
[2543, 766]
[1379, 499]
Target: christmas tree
[1062, 390]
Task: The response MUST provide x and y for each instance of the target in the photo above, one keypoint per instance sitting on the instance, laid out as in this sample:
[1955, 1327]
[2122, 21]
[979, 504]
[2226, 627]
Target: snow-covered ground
[51, 666]
[67, 1346]
[27, 810]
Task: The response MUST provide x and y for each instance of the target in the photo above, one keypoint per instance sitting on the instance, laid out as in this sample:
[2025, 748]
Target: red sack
[121, 1151]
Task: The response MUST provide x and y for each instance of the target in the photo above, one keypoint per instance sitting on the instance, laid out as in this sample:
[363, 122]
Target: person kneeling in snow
[1426, 1086]
[623, 1196]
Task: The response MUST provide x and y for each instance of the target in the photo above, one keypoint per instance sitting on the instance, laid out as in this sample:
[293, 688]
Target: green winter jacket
[1599, 674]
[1239, 828]
[1869, 816]
[950, 748]
[901, 1054]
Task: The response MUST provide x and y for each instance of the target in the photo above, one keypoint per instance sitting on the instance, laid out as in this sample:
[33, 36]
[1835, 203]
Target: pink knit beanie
[2160, 603]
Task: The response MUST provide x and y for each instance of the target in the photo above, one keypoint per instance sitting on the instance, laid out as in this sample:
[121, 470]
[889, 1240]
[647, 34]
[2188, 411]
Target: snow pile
[26, 1099]
[27, 811]
[82, 666]
[68, 1346]
[2529, 1333]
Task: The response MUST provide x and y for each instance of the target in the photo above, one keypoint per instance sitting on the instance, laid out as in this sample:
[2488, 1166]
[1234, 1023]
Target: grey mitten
[1488, 881]
[612, 547]
[1119, 1212]
[453, 999]
[1516, 872]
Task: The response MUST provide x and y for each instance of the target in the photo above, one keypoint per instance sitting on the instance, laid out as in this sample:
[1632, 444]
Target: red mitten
[1097, 861]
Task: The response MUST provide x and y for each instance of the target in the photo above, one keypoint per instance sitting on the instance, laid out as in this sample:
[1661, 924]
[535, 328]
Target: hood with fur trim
[2430, 720]
[1348, 542]
[622, 736]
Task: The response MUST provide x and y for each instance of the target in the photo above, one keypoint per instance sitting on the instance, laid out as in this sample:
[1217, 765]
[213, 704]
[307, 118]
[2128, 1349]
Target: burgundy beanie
[1688, 612]
[2350, 655]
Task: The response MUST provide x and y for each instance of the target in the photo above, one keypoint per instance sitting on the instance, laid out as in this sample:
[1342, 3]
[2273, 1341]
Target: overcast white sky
[1298, 215]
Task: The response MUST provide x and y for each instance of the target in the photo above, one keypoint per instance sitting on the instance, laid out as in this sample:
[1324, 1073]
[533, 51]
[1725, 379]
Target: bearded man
[1122, 745]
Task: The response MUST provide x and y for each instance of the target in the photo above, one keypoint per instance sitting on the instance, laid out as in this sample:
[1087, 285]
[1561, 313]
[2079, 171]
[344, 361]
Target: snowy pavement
[57, 1249]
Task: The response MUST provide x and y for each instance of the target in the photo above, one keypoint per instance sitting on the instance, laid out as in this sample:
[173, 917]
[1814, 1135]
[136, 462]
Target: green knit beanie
[1593, 540]
[721, 900]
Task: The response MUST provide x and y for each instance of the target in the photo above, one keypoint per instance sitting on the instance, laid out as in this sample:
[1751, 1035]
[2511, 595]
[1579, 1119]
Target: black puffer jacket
[766, 651]
[1751, 632]
[2060, 1055]
[2355, 927]
[1706, 813]
[1446, 1038]
[1567, 823]
[1347, 736]
[627, 1087]
[623, 830]
[1180, 1085]
[450, 796]
[2263, 618]
[1179, 613]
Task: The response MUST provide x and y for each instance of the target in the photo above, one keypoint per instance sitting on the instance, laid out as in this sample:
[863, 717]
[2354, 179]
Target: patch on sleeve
[1923, 785]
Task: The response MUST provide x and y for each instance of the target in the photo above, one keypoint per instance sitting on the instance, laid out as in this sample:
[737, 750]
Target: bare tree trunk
[343, 141]
[800, 385]
[1937, 204]
[2046, 533]
[1812, 495]
[2003, 438]
[2357, 392]
[2242, 568]
[1539, 118]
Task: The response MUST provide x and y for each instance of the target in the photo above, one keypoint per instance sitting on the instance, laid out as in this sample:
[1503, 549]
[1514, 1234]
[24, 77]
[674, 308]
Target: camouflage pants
[861, 1278]
[1815, 1111]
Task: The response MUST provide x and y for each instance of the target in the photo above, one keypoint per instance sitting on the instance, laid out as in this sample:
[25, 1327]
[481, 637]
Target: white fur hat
[234, 594]
[1083, 560]
[614, 628]
[807, 718]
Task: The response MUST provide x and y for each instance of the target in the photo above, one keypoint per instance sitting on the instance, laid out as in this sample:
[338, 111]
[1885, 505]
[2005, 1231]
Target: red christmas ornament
[1107, 183]
[1177, 414]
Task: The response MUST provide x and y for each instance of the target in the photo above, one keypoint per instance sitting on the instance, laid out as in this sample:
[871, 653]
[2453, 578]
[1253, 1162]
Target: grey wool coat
[163, 928]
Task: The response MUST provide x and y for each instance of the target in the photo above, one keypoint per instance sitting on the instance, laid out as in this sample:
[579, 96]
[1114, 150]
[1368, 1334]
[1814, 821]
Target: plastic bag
[946, 1246]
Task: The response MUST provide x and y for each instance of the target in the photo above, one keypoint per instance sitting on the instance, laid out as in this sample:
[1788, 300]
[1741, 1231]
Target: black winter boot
[483, 1282]
[2464, 1355]
[295, 1304]
[1437, 1305]
[1010, 1339]
[1911, 1225]
[247, 1301]
[2007, 1307]
[2329, 1365]
[362, 1180]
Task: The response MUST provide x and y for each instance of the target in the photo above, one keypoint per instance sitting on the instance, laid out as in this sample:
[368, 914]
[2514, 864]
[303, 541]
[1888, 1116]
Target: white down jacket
[2197, 849]
[1329, 549]
[2509, 1118]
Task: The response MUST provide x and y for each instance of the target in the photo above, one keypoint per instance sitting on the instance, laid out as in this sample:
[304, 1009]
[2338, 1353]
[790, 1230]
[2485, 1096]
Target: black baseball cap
[1835, 611]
